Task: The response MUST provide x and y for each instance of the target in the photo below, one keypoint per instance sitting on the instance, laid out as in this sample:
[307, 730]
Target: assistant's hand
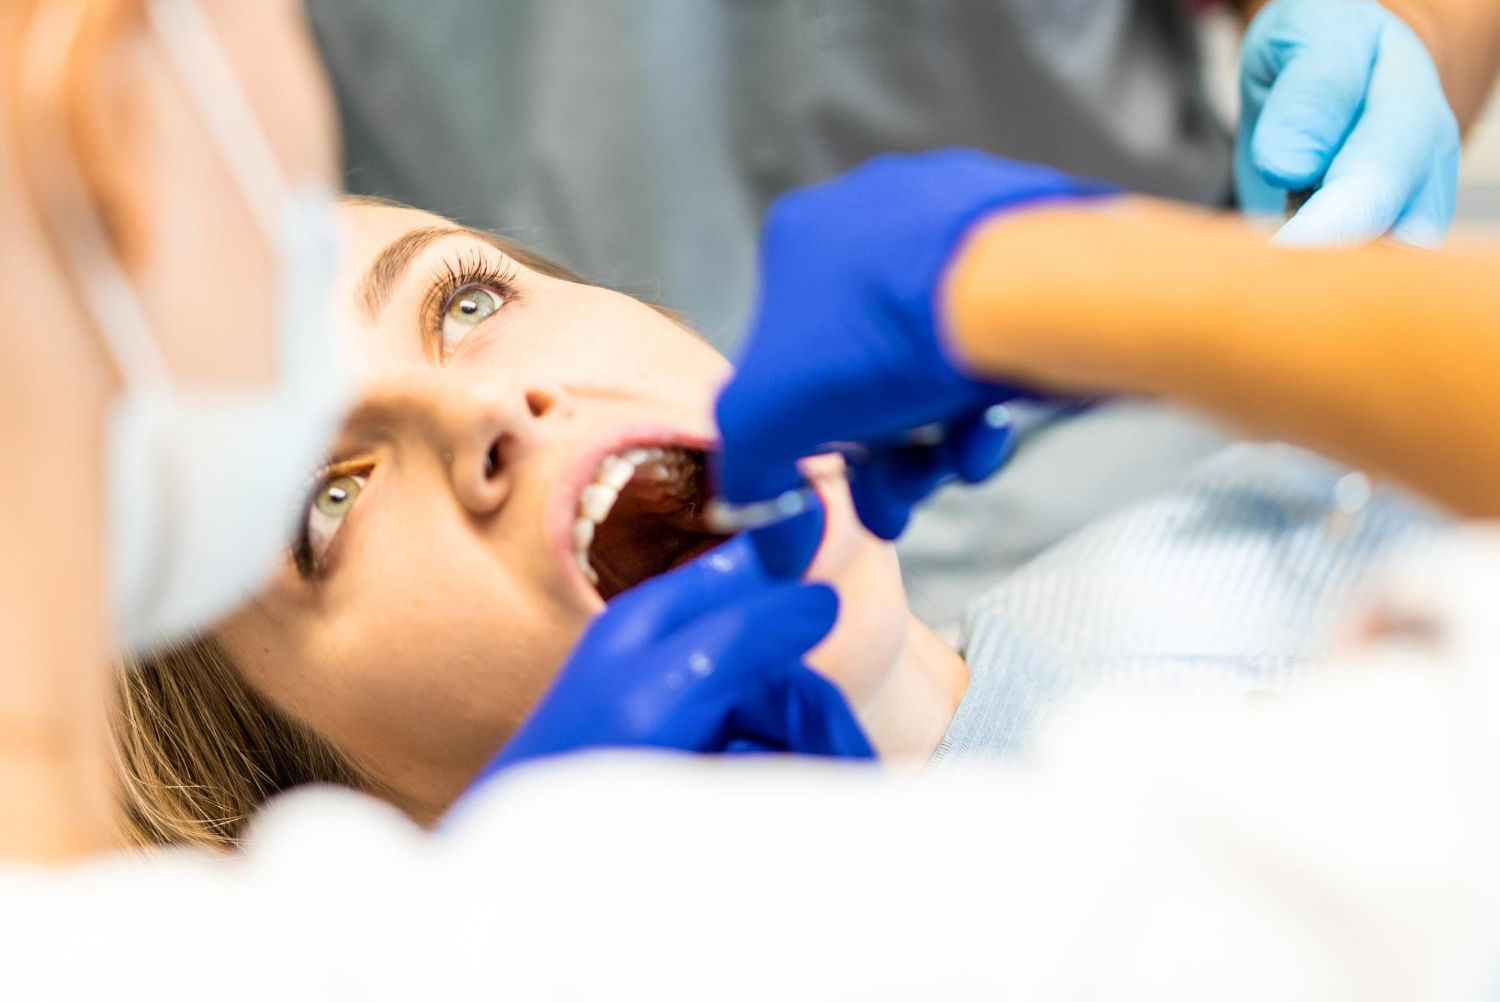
[706, 658]
[848, 343]
[1342, 96]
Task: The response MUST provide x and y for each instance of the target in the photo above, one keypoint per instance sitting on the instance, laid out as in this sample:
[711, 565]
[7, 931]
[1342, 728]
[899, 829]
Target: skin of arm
[1463, 37]
[1383, 357]
[56, 768]
[55, 775]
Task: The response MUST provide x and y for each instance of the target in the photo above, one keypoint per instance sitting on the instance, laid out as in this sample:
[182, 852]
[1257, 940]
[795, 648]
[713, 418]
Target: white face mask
[202, 481]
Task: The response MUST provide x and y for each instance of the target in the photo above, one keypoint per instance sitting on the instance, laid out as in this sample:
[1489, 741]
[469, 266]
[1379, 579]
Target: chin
[874, 618]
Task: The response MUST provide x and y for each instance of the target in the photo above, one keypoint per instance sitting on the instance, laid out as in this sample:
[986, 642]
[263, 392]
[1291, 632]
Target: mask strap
[192, 45]
[108, 294]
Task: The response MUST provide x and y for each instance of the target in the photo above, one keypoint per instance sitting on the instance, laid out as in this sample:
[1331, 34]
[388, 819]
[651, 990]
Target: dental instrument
[726, 517]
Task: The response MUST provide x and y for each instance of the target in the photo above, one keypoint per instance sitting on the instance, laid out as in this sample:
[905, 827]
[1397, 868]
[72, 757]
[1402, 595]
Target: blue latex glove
[848, 345]
[1342, 96]
[706, 658]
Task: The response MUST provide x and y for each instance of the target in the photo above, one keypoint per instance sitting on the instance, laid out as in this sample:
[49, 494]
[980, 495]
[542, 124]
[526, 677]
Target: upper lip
[578, 472]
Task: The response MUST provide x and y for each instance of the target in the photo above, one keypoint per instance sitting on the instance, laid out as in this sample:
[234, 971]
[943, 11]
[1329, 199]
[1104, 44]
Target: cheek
[433, 647]
[605, 339]
[457, 626]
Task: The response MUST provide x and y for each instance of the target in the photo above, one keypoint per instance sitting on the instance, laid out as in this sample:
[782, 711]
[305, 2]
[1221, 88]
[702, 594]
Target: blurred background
[631, 142]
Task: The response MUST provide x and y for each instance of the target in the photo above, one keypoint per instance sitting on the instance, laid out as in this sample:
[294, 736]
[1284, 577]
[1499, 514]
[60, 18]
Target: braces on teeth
[672, 468]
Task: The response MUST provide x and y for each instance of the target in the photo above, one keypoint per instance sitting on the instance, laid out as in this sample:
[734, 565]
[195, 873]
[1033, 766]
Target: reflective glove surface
[1340, 95]
[706, 658]
[847, 343]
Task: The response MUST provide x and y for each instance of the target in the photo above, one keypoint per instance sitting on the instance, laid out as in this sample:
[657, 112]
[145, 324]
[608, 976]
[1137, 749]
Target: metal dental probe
[728, 518]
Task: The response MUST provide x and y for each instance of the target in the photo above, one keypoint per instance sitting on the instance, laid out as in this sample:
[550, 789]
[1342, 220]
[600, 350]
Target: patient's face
[443, 576]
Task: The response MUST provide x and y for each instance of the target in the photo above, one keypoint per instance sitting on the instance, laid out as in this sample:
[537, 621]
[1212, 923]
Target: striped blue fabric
[1230, 582]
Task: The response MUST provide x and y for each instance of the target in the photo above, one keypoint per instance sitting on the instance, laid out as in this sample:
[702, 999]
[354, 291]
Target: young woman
[463, 536]
[526, 446]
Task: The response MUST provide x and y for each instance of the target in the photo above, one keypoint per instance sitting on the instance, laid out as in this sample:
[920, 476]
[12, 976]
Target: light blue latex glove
[706, 658]
[848, 344]
[1342, 96]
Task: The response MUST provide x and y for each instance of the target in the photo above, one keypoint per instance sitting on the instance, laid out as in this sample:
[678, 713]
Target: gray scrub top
[640, 141]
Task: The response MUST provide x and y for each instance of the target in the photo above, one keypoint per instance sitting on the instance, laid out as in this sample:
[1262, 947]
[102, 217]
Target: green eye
[325, 516]
[337, 495]
[468, 308]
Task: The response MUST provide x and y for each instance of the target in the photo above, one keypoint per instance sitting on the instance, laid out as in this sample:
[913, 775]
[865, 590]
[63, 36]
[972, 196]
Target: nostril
[492, 461]
[539, 402]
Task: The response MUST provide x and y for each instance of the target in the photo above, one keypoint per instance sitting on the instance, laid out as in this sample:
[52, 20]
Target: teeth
[583, 535]
[672, 468]
[615, 473]
[596, 501]
[588, 572]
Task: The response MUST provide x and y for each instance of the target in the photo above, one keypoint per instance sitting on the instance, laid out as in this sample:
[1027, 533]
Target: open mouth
[640, 516]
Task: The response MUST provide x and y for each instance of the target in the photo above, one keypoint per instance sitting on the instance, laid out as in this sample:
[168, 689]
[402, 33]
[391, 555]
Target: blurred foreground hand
[1341, 96]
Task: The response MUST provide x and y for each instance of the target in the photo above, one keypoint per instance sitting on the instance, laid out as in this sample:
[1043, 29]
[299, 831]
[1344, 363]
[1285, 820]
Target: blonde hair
[198, 749]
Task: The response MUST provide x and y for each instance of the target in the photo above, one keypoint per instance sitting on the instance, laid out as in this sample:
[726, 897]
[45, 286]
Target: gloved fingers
[741, 745]
[886, 485]
[794, 390]
[787, 548]
[1405, 135]
[976, 448]
[1425, 221]
[798, 710]
[1310, 107]
[1350, 210]
[759, 453]
[1364, 194]
[1254, 194]
[1362, 200]
[725, 576]
[819, 719]
[747, 640]
[884, 514]
[755, 467]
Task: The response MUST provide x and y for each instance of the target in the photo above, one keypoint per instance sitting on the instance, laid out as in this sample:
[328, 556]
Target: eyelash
[469, 268]
[301, 550]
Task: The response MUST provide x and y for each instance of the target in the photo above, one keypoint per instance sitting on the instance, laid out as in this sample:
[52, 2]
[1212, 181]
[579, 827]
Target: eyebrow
[390, 265]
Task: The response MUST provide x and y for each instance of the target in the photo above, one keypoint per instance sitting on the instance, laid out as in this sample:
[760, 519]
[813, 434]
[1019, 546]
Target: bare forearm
[1383, 357]
[55, 778]
[1463, 37]
[55, 767]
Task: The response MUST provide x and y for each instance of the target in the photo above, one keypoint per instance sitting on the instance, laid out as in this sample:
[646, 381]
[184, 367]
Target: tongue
[651, 529]
[695, 551]
[640, 539]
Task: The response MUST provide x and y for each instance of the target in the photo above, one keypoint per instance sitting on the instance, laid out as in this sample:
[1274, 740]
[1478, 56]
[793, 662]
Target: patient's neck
[908, 715]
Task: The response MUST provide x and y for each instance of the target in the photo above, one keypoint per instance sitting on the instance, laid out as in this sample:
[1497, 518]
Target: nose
[487, 431]
[481, 431]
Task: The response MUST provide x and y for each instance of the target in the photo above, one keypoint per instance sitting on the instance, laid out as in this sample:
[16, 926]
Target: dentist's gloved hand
[706, 658]
[1341, 95]
[848, 343]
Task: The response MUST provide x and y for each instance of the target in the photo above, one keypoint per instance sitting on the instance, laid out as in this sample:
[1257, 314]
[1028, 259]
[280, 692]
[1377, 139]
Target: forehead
[368, 227]
[376, 345]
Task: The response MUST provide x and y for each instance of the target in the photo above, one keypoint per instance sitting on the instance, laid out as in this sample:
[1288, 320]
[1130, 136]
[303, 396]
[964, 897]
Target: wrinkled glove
[706, 658]
[1340, 95]
[848, 343]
